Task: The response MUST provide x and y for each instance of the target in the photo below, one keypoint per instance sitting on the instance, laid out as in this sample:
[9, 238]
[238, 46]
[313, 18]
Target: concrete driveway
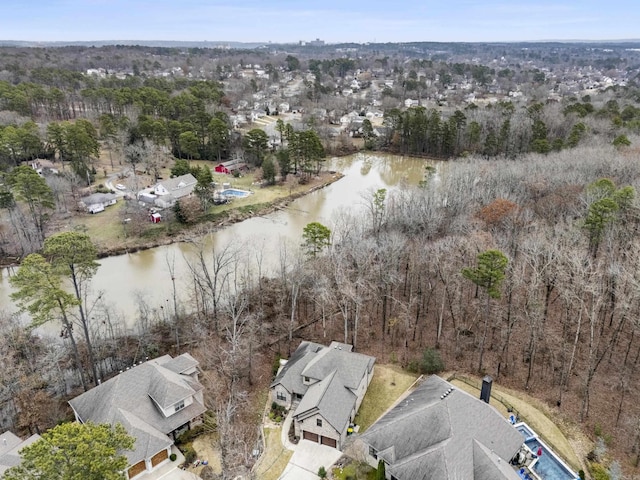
[170, 470]
[307, 460]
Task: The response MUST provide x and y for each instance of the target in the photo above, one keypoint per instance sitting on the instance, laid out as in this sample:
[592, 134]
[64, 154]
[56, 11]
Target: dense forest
[517, 258]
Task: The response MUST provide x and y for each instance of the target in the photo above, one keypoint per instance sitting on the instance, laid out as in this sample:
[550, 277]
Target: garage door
[136, 469]
[331, 442]
[159, 457]
[310, 436]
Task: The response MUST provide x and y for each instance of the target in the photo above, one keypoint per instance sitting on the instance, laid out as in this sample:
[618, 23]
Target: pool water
[233, 192]
[526, 432]
[548, 466]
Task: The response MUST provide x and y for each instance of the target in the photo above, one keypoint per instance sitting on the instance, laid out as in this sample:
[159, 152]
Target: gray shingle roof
[290, 376]
[351, 366]
[177, 184]
[331, 399]
[181, 363]
[167, 388]
[149, 440]
[95, 198]
[128, 398]
[426, 436]
[10, 446]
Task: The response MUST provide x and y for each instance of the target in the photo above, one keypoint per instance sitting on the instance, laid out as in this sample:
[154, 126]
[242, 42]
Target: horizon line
[327, 43]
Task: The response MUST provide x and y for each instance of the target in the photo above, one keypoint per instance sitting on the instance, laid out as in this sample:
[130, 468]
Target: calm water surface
[125, 278]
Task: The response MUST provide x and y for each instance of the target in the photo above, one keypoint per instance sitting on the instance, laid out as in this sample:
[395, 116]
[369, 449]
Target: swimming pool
[234, 192]
[548, 466]
[524, 429]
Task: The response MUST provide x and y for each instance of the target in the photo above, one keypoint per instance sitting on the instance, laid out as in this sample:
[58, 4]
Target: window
[281, 396]
[373, 452]
[319, 422]
[179, 405]
[307, 379]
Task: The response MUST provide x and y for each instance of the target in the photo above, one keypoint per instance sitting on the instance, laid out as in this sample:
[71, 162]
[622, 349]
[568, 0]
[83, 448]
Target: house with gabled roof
[171, 190]
[324, 387]
[155, 401]
[439, 431]
[10, 446]
[97, 202]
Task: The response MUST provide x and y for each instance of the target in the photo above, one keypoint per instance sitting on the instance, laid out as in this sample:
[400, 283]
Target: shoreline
[235, 216]
[190, 232]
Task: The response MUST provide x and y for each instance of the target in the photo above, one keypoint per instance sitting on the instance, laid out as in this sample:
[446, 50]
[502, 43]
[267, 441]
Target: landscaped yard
[275, 458]
[388, 384]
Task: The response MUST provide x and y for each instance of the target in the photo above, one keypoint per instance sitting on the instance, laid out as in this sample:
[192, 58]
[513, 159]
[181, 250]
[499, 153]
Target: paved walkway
[284, 435]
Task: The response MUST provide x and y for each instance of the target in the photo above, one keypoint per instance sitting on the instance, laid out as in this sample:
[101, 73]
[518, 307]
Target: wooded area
[518, 257]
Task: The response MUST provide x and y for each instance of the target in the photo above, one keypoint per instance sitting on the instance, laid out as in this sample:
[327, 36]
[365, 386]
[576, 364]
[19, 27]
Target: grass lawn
[531, 411]
[354, 471]
[275, 458]
[388, 384]
[104, 228]
[108, 232]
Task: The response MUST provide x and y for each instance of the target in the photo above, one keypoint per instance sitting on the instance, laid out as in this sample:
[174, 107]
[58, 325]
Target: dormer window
[373, 452]
[179, 405]
[307, 379]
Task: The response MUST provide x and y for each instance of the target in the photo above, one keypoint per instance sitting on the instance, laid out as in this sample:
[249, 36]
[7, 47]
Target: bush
[430, 363]
[277, 412]
[189, 453]
[599, 472]
[276, 365]
[189, 435]
[173, 457]
[322, 473]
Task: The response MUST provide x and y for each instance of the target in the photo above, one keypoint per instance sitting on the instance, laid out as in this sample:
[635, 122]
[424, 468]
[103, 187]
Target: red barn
[230, 166]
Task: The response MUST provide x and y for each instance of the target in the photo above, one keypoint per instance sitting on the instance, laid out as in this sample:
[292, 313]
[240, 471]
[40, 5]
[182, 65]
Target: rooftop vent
[446, 394]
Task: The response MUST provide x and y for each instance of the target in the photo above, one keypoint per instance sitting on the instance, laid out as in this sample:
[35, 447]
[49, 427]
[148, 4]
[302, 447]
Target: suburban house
[10, 446]
[441, 432]
[155, 401]
[324, 387]
[97, 202]
[173, 189]
[235, 165]
[165, 194]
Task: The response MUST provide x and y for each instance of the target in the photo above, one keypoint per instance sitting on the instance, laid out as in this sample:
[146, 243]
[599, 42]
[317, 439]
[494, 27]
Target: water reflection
[147, 274]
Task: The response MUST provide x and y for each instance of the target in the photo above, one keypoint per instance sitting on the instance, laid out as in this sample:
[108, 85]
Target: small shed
[155, 218]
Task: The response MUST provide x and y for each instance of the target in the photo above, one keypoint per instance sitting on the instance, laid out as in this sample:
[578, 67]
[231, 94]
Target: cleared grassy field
[387, 386]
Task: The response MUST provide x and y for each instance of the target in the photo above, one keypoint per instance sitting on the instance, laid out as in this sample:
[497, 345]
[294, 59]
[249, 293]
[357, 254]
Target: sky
[334, 21]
